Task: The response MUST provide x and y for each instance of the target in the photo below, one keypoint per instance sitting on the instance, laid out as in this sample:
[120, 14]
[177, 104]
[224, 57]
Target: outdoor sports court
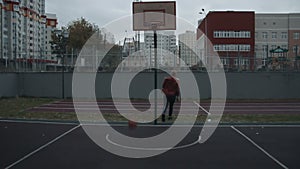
[36, 144]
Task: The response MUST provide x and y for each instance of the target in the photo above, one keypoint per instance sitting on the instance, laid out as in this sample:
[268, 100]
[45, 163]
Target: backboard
[159, 15]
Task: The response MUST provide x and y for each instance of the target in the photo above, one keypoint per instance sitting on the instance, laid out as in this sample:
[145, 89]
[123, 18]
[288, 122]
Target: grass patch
[261, 118]
[13, 107]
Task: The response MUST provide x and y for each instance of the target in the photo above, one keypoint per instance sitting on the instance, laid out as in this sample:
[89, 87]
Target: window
[265, 50]
[296, 35]
[232, 34]
[225, 61]
[236, 62]
[265, 35]
[284, 46]
[273, 47]
[247, 34]
[244, 61]
[296, 49]
[216, 34]
[284, 35]
[274, 35]
[232, 47]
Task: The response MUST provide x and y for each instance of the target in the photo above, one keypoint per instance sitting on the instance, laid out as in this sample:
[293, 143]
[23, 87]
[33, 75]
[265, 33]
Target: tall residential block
[23, 33]
[166, 45]
[187, 44]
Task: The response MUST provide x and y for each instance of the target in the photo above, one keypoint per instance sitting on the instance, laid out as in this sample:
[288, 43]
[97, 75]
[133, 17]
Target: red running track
[187, 107]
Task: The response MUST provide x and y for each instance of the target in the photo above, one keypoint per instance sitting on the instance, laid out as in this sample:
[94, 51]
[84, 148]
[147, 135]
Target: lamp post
[65, 35]
[203, 12]
[62, 35]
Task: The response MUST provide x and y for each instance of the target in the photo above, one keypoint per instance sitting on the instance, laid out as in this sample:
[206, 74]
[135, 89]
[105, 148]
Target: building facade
[247, 41]
[51, 23]
[187, 44]
[230, 35]
[23, 34]
[294, 39]
[166, 45]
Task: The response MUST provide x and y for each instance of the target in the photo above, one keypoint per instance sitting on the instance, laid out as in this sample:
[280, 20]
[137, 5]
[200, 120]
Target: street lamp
[203, 12]
[62, 35]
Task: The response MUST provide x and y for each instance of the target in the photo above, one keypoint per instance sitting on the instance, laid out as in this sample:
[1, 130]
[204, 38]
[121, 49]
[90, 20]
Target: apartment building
[166, 46]
[51, 23]
[187, 44]
[23, 33]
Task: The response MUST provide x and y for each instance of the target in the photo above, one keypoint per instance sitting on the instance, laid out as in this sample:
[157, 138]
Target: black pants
[170, 102]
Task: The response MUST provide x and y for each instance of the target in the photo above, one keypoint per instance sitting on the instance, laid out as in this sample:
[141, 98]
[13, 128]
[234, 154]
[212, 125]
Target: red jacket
[171, 87]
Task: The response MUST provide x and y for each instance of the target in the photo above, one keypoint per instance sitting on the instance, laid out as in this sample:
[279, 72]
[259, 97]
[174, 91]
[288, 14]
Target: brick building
[231, 35]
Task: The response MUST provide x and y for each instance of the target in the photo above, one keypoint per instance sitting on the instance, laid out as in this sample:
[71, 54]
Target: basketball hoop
[153, 25]
[154, 15]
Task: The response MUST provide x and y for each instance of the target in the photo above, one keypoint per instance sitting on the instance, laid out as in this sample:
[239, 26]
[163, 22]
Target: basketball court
[53, 144]
[33, 144]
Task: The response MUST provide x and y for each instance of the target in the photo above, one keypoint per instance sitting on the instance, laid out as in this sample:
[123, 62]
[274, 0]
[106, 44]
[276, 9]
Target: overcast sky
[102, 12]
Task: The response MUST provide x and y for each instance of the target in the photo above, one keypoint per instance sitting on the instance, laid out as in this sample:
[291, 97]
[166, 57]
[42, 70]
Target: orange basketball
[132, 124]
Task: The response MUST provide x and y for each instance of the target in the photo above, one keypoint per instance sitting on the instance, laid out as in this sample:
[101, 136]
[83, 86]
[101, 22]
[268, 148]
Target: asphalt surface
[54, 145]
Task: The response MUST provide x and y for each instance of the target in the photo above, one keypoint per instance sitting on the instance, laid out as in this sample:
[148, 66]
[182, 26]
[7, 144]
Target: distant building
[244, 40]
[276, 30]
[51, 23]
[166, 45]
[230, 36]
[23, 43]
[187, 44]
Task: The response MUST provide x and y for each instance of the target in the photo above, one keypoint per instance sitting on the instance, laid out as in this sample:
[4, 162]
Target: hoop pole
[155, 76]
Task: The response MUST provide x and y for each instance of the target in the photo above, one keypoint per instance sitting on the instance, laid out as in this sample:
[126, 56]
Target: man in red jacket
[171, 89]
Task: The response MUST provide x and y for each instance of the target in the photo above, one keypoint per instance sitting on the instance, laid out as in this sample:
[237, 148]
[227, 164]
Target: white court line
[258, 106]
[195, 125]
[123, 105]
[152, 149]
[208, 113]
[270, 125]
[260, 148]
[187, 109]
[151, 125]
[249, 103]
[182, 106]
[42, 147]
[39, 122]
[69, 108]
[261, 110]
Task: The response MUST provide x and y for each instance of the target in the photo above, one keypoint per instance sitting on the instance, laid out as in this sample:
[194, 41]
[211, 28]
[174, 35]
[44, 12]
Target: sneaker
[163, 118]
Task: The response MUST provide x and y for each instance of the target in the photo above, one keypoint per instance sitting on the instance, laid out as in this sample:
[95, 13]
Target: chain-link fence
[114, 59]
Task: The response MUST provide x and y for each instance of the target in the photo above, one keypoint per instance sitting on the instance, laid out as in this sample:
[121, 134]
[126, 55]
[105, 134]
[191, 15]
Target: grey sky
[102, 12]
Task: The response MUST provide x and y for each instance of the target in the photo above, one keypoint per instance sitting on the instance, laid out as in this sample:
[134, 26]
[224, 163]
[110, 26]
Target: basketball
[132, 124]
